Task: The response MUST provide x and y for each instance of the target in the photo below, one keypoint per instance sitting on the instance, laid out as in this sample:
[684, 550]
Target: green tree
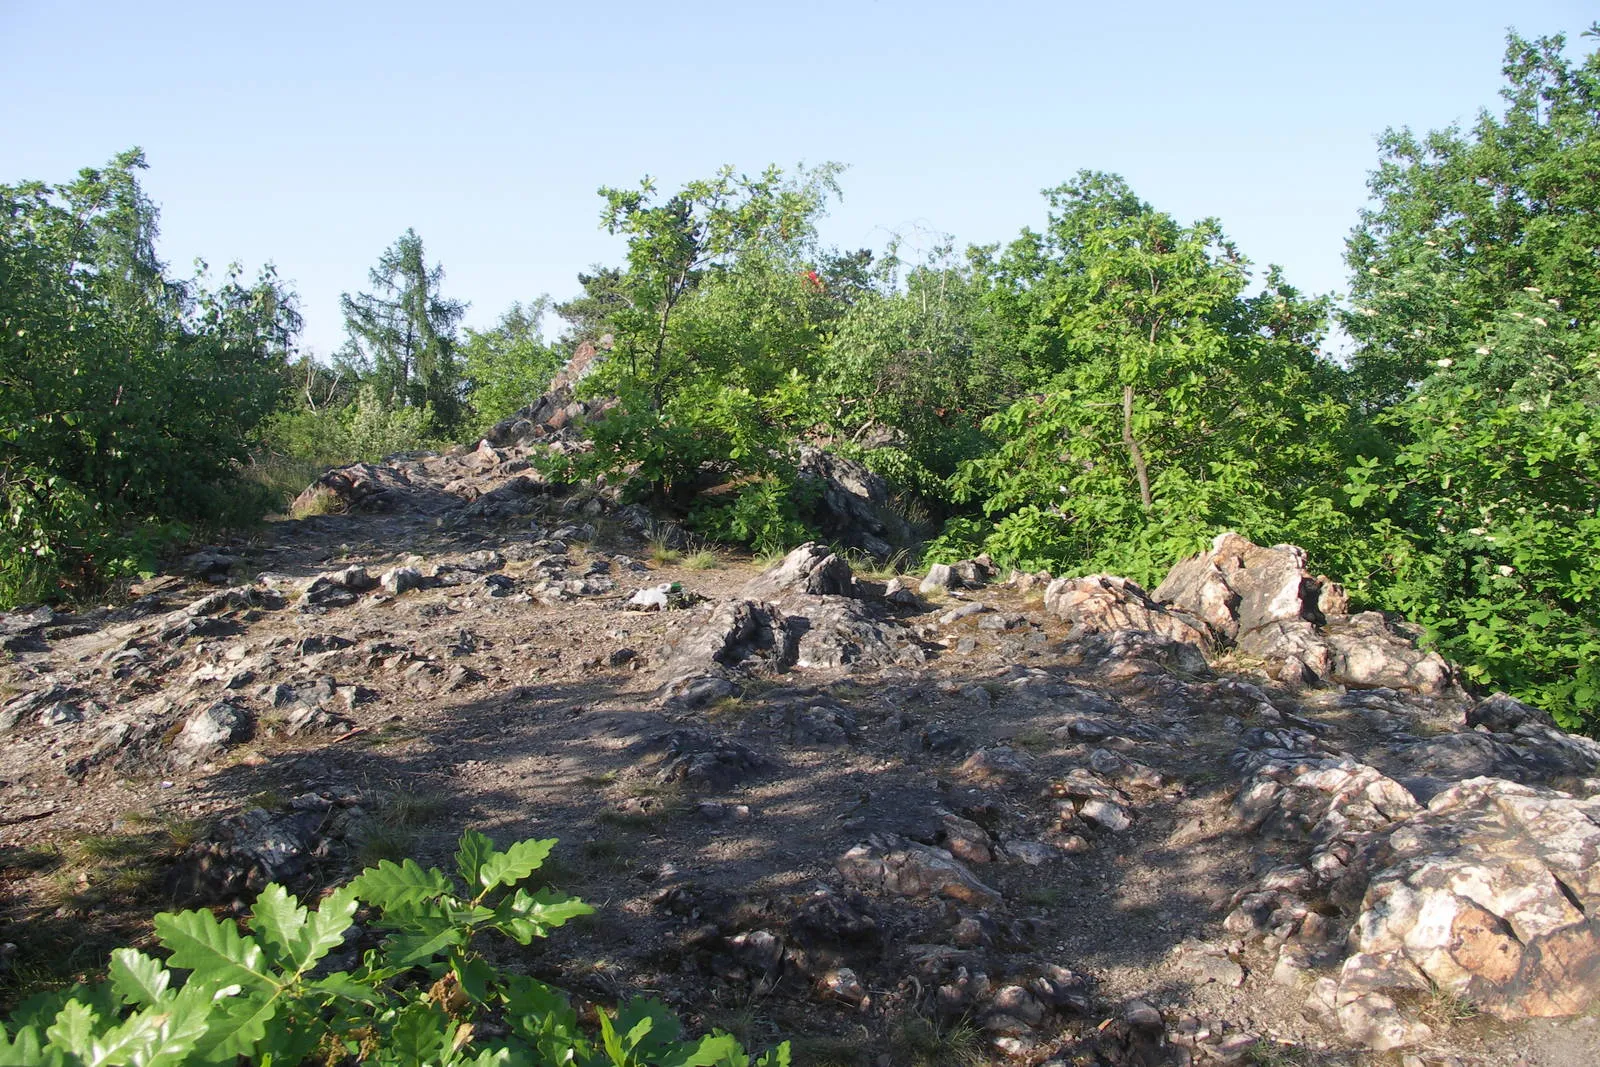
[590, 316]
[126, 397]
[403, 333]
[1464, 220]
[1181, 405]
[1476, 303]
[909, 369]
[1486, 521]
[509, 365]
[714, 348]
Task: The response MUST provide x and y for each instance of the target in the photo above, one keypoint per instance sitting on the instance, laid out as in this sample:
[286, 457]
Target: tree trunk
[1135, 453]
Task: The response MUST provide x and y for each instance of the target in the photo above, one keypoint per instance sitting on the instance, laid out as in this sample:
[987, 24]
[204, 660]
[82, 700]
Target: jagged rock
[1104, 603]
[965, 839]
[906, 869]
[336, 588]
[965, 611]
[1488, 896]
[245, 852]
[853, 504]
[312, 644]
[1113, 818]
[359, 487]
[208, 563]
[397, 580]
[823, 726]
[212, 728]
[1503, 714]
[1265, 603]
[1368, 651]
[899, 593]
[699, 760]
[842, 984]
[811, 569]
[1532, 754]
[34, 704]
[737, 631]
[1237, 588]
[838, 631]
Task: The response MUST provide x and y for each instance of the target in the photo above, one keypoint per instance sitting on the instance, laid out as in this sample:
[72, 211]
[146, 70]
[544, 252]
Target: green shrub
[265, 993]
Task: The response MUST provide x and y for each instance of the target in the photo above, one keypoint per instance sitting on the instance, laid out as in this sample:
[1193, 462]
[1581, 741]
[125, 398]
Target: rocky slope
[960, 817]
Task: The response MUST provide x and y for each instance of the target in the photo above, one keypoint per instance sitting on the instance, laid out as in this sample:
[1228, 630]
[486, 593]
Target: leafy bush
[127, 398]
[267, 994]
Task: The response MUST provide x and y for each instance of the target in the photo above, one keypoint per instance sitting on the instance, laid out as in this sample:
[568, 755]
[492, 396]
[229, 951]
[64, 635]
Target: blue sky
[312, 135]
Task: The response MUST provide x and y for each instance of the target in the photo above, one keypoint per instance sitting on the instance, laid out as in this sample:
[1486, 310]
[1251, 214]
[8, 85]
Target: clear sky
[313, 135]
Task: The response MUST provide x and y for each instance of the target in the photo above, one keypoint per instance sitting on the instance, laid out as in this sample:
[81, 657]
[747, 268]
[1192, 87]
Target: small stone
[842, 984]
[1141, 1015]
[1017, 1001]
[400, 579]
[1106, 815]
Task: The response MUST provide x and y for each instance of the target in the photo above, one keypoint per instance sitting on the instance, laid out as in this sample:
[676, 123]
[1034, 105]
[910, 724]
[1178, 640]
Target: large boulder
[853, 504]
[1105, 603]
[1490, 896]
[1265, 603]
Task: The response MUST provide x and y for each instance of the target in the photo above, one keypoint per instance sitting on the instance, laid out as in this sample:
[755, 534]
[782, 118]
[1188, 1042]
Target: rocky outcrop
[852, 504]
[557, 413]
[1264, 603]
[1488, 896]
[800, 613]
[1105, 603]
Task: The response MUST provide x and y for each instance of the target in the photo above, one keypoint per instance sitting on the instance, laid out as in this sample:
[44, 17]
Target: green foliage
[765, 514]
[1477, 304]
[917, 369]
[266, 993]
[368, 428]
[127, 398]
[1486, 515]
[1463, 221]
[716, 320]
[1182, 406]
[509, 366]
[402, 335]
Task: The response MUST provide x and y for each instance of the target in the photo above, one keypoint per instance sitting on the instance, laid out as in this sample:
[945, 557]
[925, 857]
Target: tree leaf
[473, 852]
[155, 1037]
[215, 951]
[279, 920]
[390, 885]
[137, 978]
[514, 864]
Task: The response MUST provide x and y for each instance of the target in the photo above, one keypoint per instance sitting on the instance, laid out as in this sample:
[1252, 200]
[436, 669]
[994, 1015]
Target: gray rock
[399, 580]
[213, 728]
[853, 505]
[1503, 714]
[811, 569]
[903, 868]
[699, 760]
[243, 853]
[939, 577]
[1106, 815]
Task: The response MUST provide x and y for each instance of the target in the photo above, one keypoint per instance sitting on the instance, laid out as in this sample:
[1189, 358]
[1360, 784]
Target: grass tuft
[916, 1041]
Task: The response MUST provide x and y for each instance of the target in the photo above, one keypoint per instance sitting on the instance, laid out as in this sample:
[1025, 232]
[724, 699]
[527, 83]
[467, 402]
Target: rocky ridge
[1070, 820]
